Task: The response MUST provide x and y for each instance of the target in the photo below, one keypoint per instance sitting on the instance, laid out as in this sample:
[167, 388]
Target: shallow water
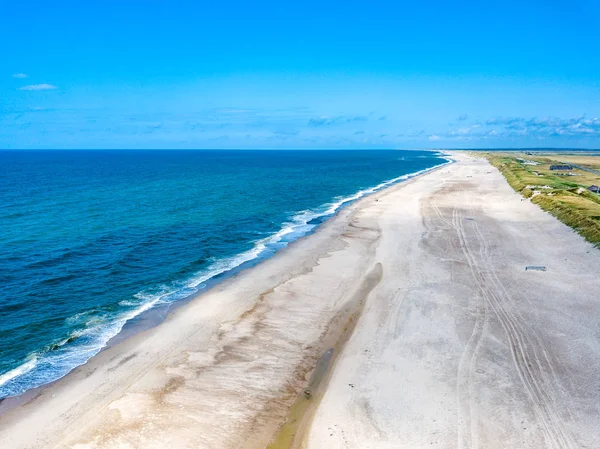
[91, 239]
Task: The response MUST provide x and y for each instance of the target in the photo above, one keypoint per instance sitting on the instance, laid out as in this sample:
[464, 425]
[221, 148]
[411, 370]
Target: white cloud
[38, 87]
[518, 127]
[20, 75]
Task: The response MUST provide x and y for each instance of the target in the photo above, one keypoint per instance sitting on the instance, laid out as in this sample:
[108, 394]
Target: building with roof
[561, 167]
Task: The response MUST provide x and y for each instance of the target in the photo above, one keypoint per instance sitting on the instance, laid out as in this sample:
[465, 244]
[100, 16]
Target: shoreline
[154, 316]
[431, 272]
[14, 408]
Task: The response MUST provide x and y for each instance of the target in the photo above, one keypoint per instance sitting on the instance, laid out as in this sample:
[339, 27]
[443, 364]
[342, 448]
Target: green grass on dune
[564, 197]
[586, 225]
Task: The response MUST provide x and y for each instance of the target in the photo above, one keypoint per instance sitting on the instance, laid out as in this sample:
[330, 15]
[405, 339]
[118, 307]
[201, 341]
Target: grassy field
[564, 194]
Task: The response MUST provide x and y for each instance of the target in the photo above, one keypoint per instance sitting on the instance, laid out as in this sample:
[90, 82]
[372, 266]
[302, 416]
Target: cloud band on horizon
[39, 87]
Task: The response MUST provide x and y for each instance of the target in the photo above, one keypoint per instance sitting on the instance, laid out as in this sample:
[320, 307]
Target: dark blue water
[91, 239]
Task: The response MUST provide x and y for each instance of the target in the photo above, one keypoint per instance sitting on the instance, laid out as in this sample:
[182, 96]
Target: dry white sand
[457, 345]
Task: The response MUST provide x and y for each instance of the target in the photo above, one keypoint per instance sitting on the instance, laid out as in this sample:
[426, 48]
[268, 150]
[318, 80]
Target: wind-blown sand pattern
[440, 339]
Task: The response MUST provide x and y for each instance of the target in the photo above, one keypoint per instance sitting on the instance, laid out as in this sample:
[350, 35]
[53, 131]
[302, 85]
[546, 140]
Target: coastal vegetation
[563, 193]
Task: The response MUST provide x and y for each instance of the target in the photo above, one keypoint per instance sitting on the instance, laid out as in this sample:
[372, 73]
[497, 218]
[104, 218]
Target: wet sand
[414, 305]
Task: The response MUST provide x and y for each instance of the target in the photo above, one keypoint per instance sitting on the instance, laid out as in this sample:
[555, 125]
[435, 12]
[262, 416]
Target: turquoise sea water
[91, 239]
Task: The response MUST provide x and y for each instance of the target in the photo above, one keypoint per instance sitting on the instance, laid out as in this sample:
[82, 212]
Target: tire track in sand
[523, 343]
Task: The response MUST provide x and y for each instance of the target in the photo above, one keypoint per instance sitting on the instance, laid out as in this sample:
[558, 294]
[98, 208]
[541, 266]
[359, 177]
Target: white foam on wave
[99, 329]
[78, 317]
[361, 193]
[18, 371]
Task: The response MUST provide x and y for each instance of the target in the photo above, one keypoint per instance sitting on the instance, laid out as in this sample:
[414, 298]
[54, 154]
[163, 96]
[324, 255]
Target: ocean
[92, 240]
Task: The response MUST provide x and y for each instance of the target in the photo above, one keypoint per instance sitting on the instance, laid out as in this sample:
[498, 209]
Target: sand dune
[416, 306]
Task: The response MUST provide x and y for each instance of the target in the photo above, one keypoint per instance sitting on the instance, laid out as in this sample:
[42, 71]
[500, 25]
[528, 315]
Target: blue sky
[310, 74]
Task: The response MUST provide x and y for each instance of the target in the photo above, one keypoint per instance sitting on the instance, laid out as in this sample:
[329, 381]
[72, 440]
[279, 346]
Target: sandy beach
[414, 305]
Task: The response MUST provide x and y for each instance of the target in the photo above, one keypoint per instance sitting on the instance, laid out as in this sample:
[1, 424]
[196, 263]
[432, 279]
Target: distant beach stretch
[383, 302]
